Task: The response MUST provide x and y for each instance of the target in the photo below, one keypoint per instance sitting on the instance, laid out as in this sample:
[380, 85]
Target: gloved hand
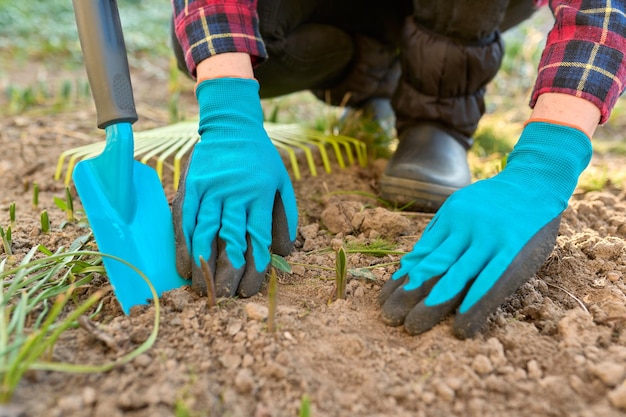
[490, 237]
[235, 198]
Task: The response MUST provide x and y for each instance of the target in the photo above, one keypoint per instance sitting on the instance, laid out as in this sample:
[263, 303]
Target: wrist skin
[567, 110]
[231, 64]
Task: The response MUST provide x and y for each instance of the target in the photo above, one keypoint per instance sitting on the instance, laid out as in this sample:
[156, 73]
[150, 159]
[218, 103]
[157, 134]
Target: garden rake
[175, 141]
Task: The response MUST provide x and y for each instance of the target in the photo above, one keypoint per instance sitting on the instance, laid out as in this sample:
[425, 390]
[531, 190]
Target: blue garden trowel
[123, 198]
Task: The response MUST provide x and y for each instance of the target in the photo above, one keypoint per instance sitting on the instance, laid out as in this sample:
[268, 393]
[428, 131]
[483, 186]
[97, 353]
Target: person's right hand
[235, 199]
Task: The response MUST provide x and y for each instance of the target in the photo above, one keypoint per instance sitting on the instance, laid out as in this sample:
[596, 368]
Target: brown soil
[555, 348]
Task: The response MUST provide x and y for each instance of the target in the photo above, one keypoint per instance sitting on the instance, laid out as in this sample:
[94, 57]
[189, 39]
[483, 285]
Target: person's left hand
[489, 238]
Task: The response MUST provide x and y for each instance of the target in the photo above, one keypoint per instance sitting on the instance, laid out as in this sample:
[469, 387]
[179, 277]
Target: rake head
[167, 146]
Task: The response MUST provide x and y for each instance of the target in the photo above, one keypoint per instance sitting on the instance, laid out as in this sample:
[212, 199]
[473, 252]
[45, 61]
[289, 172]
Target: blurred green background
[35, 29]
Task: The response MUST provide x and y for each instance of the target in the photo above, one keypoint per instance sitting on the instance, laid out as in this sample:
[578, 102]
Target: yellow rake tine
[313, 136]
[157, 144]
[359, 146]
[82, 151]
[179, 155]
[78, 156]
[142, 145]
[307, 153]
[292, 158]
[60, 163]
[187, 143]
[282, 137]
[328, 139]
[166, 149]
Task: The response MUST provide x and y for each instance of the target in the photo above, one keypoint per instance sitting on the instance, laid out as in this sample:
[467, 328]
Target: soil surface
[555, 348]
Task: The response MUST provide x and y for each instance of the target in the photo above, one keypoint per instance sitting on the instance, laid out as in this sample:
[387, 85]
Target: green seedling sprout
[341, 271]
[12, 214]
[7, 242]
[271, 296]
[70, 205]
[67, 205]
[35, 195]
[211, 300]
[280, 263]
[45, 221]
[305, 406]
[66, 91]
[34, 301]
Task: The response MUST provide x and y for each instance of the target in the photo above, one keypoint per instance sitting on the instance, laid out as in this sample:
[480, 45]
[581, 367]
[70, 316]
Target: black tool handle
[104, 53]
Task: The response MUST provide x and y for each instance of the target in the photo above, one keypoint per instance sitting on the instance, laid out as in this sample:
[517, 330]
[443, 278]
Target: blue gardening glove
[490, 237]
[235, 199]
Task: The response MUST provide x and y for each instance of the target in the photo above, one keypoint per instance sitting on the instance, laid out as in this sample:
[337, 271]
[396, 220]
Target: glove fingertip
[183, 266]
[198, 283]
[389, 287]
[282, 246]
[251, 283]
[423, 318]
[283, 238]
[399, 304]
[467, 326]
[253, 278]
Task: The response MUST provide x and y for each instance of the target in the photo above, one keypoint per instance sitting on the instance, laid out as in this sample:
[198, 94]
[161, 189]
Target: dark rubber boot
[428, 166]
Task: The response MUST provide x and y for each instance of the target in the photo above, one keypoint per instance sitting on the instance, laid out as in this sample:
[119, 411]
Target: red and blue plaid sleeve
[585, 53]
[208, 27]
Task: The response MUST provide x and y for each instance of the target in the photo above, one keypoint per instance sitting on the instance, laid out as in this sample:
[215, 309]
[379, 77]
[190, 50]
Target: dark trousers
[432, 58]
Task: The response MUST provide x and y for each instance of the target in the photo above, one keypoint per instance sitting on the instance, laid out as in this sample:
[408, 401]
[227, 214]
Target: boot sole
[414, 195]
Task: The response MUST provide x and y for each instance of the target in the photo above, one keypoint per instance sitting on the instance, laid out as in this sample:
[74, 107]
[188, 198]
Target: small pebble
[445, 392]
[428, 397]
[613, 276]
[534, 370]
[309, 231]
[298, 270]
[496, 352]
[336, 244]
[244, 381]
[476, 406]
[70, 403]
[519, 374]
[247, 360]
[234, 327]
[230, 361]
[256, 311]
[143, 360]
[610, 373]
[90, 396]
[482, 365]
[617, 397]
[359, 292]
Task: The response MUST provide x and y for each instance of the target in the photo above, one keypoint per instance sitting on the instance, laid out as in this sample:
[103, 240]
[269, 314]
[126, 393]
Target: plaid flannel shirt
[584, 54]
[209, 27]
